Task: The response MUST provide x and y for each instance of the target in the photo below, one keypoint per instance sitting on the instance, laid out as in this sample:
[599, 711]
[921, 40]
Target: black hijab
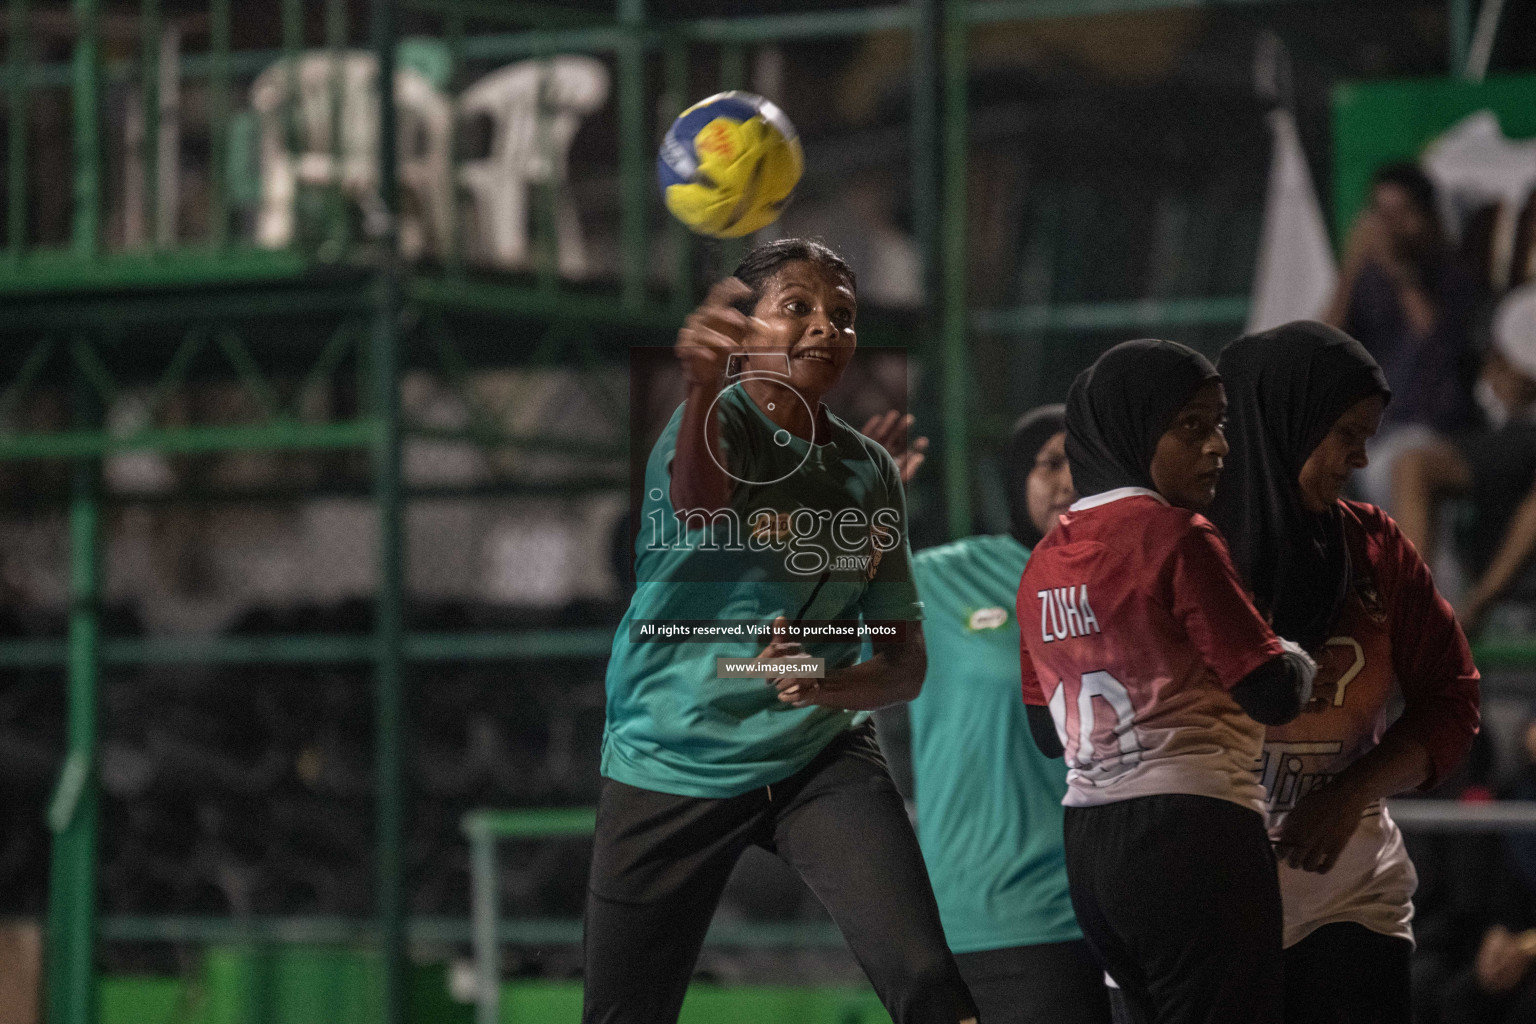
[1119, 407]
[1030, 434]
[1286, 389]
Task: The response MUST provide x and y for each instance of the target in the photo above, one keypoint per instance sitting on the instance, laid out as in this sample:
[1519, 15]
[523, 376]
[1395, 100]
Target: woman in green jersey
[770, 529]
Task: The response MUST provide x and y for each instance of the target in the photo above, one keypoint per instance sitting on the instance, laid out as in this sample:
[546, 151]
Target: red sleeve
[1033, 695]
[1430, 655]
[1218, 616]
[1030, 682]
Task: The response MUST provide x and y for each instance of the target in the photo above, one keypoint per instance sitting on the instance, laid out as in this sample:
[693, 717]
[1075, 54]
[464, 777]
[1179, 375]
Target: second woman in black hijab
[1340, 577]
[1158, 672]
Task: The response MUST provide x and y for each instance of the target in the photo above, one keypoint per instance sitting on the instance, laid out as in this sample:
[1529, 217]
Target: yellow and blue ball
[728, 164]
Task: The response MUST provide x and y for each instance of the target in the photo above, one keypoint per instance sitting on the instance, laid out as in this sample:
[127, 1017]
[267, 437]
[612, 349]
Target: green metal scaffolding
[71, 301]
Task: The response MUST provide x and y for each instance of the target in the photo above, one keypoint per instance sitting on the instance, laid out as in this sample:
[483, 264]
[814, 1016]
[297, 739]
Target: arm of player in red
[1269, 679]
[1042, 727]
[1432, 661]
[1439, 683]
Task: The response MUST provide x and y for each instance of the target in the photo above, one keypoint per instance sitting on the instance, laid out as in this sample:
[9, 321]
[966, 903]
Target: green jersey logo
[987, 618]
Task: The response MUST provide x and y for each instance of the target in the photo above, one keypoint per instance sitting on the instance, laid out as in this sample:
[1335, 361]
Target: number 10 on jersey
[1103, 736]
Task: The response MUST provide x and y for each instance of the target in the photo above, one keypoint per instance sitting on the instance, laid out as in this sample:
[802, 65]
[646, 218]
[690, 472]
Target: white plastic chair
[1474, 163]
[425, 121]
[535, 108]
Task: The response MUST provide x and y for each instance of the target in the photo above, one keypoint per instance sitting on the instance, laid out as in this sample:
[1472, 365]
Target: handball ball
[728, 164]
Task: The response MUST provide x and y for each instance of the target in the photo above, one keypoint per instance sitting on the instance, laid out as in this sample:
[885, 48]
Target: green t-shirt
[814, 533]
[988, 802]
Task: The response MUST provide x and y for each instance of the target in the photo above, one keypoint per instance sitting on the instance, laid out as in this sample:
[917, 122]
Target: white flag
[1296, 274]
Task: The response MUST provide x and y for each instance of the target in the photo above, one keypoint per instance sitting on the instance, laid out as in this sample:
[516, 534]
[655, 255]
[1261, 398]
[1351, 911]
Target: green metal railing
[487, 829]
[484, 829]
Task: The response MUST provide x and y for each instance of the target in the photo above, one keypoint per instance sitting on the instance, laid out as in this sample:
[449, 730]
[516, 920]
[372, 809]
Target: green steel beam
[499, 438]
[55, 270]
[74, 812]
[954, 405]
[761, 28]
[585, 484]
[601, 37]
[1029, 10]
[149, 99]
[1505, 652]
[434, 931]
[926, 171]
[575, 486]
[321, 649]
[284, 436]
[1500, 652]
[680, 240]
[806, 25]
[514, 45]
[59, 74]
[531, 645]
[513, 300]
[389, 687]
[17, 52]
[31, 368]
[224, 650]
[85, 85]
[1109, 316]
[193, 66]
[779, 28]
[520, 13]
[42, 313]
[530, 823]
[218, 119]
[293, 45]
[453, 240]
[338, 224]
[635, 147]
[389, 603]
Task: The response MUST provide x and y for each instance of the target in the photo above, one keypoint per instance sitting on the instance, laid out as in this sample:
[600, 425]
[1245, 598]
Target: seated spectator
[1458, 882]
[1414, 306]
[1494, 465]
[1499, 986]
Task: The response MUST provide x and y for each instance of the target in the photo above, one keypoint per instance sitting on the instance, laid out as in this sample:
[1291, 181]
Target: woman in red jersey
[1339, 577]
[1159, 674]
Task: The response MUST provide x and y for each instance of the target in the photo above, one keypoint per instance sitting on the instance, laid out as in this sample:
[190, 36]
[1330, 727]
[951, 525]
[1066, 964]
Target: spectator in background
[1494, 465]
[1414, 307]
[1457, 874]
[1499, 986]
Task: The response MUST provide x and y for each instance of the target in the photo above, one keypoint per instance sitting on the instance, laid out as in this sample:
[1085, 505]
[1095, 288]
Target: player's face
[807, 313]
[1048, 489]
[1339, 454]
[1188, 460]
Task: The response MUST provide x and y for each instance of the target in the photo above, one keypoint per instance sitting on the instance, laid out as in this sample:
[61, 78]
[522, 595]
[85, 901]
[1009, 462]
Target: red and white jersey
[1134, 630]
[1397, 645]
